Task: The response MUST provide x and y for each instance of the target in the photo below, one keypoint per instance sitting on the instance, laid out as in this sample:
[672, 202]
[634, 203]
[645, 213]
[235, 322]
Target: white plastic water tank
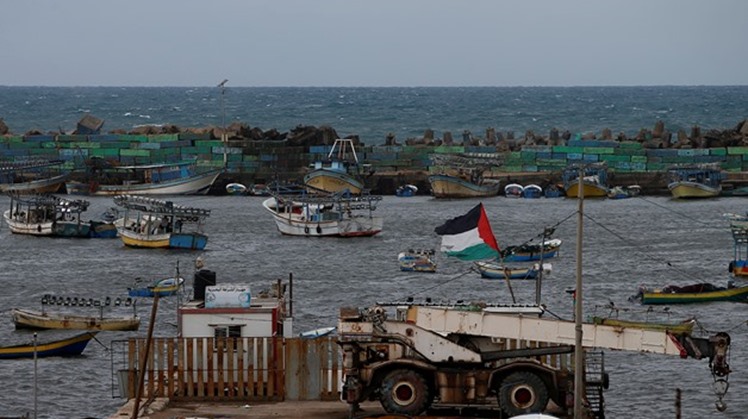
[227, 295]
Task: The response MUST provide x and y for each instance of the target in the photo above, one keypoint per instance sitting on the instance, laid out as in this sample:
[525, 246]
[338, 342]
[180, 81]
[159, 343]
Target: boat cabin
[230, 310]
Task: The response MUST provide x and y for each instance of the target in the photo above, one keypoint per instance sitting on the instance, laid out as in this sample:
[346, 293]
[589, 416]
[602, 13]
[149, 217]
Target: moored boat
[497, 270]
[623, 192]
[594, 180]
[532, 191]
[695, 181]
[685, 326]
[340, 171]
[462, 176]
[33, 176]
[29, 319]
[738, 266]
[406, 191]
[319, 215]
[70, 346]
[420, 260]
[163, 288]
[695, 293]
[514, 190]
[33, 214]
[236, 189]
[181, 178]
[530, 252]
[153, 223]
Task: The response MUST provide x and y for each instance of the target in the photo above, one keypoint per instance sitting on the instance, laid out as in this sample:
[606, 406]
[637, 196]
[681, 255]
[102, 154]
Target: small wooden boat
[532, 191]
[340, 171]
[530, 252]
[406, 191]
[696, 293]
[29, 319]
[71, 346]
[236, 189]
[446, 186]
[496, 270]
[514, 190]
[318, 215]
[33, 177]
[594, 180]
[553, 191]
[695, 181]
[317, 333]
[684, 327]
[181, 178]
[162, 288]
[153, 223]
[417, 260]
[623, 192]
[34, 215]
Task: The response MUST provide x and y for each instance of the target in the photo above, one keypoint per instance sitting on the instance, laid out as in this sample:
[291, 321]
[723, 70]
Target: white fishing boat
[317, 215]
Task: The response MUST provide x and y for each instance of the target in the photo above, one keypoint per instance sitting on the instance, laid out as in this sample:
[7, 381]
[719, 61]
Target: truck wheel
[522, 392]
[405, 392]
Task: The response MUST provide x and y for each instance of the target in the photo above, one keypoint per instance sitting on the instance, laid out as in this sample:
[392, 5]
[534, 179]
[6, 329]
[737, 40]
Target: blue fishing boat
[406, 191]
[532, 191]
[417, 261]
[71, 346]
[162, 288]
[530, 252]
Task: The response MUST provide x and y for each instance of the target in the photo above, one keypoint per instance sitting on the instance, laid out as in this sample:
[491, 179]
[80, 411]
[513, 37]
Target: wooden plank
[271, 344]
[151, 369]
[261, 368]
[159, 348]
[190, 358]
[251, 350]
[170, 367]
[231, 355]
[209, 364]
[200, 367]
[221, 355]
[132, 347]
[242, 391]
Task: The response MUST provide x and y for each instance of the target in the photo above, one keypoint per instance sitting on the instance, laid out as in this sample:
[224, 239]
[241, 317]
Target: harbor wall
[251, 161]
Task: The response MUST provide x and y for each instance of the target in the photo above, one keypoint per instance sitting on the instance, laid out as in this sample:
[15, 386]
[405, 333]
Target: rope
[635, 245]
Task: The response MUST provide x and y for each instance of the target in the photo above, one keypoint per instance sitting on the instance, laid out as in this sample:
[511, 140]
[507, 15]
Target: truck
[506, 357]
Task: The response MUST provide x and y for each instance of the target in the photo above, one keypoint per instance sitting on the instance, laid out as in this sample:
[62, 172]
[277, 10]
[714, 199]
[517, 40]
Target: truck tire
[522, 392]
[405, 392]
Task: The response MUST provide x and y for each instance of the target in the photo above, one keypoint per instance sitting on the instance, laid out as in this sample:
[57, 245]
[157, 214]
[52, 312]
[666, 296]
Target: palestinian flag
[469, 236]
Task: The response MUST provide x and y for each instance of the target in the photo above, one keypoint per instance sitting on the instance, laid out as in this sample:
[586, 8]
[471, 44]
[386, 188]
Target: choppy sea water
[372, 113]
[651, 240]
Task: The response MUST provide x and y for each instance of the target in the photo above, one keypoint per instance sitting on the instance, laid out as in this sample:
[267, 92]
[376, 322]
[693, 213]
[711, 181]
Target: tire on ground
[522, 392]
[405, 392]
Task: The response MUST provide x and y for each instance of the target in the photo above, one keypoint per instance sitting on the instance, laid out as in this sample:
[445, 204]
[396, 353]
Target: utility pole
[578, 350]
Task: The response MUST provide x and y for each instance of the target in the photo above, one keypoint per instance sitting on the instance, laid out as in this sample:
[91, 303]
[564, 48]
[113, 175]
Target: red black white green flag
[469, 236]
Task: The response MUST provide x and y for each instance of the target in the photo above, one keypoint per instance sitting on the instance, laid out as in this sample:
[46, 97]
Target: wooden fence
[229, 369]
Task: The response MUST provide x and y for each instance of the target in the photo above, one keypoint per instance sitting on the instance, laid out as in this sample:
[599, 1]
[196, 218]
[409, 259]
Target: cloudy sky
[374, 42]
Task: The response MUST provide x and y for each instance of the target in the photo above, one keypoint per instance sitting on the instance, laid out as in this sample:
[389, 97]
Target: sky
[374, 43]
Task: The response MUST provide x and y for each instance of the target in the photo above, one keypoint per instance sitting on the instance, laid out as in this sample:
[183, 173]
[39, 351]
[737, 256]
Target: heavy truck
[509, 358]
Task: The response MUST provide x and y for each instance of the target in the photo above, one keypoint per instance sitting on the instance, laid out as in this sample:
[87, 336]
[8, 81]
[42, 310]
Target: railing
[226, 369]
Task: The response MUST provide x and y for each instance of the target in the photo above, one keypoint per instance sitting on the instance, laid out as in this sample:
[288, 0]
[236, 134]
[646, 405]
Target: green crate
[737, 150]
[128, 152]
[721, 151]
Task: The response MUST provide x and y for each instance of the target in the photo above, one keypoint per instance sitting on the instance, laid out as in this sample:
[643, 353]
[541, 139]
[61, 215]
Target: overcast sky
[374, 42]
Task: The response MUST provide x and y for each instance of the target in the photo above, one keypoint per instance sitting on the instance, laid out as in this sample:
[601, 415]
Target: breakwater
[260, 161]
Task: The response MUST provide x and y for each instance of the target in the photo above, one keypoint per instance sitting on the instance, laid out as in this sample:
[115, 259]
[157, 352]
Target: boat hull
[445, 186]
[296, 224]
[189, 241]
[591, 190]
[195, 185]
[332, 181]
[26, 319]
[491, 270]
[65, 347]
[48, 185]
[34, 229]
[730, 294]
[685, 190]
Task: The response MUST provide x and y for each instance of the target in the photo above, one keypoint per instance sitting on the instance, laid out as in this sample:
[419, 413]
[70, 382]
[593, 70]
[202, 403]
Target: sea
[624, 244]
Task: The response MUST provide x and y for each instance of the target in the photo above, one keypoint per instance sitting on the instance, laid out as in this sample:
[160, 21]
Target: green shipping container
[127, 152]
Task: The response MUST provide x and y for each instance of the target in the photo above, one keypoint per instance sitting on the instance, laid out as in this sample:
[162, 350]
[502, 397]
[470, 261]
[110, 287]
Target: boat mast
[578, 350]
